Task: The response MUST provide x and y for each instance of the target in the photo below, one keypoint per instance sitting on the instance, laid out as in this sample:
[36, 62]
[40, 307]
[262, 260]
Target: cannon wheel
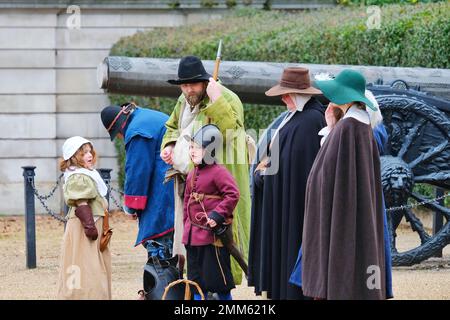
[419, 146]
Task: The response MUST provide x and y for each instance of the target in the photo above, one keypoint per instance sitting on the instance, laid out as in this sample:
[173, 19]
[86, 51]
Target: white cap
[71, 146]
[375, 116]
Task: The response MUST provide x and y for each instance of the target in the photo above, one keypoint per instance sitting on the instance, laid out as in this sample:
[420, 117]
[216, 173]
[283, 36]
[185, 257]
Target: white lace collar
[101, 186]
[358, 114]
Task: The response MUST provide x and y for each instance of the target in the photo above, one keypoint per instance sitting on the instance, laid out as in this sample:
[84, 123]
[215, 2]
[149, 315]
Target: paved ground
[429, 280]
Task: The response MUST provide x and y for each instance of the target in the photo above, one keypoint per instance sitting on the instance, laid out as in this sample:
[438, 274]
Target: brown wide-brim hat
[293, 80]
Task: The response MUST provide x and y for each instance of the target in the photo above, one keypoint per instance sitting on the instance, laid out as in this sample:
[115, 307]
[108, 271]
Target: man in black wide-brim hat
[203, 101]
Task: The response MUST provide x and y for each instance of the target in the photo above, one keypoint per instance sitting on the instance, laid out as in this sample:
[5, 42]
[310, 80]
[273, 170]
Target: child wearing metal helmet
[211, 195]
[85, 262]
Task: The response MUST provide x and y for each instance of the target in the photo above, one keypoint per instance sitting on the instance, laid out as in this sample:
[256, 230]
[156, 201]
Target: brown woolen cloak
[343, 246]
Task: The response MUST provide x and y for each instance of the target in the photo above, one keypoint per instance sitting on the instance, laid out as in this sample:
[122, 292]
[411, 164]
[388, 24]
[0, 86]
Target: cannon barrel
[249, 80]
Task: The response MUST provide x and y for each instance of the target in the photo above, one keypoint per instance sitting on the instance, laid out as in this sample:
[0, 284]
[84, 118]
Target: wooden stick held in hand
[218, 57]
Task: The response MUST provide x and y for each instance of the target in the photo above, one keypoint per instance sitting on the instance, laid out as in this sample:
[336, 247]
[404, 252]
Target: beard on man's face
[195, 99]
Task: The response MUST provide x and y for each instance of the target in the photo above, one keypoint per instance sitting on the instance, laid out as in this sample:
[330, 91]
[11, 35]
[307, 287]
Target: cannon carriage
[418, 152]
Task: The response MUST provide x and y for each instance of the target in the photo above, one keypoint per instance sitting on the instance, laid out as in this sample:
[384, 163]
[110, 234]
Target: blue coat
[381, 137]
[144, 191]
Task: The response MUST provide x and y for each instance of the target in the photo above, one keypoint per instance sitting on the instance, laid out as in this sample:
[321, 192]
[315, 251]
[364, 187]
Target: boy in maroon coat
[211, 195]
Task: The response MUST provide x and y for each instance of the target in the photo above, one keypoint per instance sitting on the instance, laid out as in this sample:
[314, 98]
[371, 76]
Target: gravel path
[429, 280]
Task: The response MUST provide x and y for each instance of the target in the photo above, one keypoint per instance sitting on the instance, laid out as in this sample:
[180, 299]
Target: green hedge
[409, 36]
[330, 36]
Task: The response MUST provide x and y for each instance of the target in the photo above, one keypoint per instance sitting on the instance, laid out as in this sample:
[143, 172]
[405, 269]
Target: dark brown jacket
[343, 246]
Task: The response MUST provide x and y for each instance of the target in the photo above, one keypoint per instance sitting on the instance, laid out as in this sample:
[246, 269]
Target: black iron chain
[49, 211]
[418, 204]
[116, 202]
[116, 190]
[48, 196]
[121, 193]
[42, 199]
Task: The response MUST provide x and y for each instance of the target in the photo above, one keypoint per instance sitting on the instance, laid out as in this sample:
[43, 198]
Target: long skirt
[85, 271]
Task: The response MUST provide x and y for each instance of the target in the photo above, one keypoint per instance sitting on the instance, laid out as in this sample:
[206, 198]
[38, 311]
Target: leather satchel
[106, 232]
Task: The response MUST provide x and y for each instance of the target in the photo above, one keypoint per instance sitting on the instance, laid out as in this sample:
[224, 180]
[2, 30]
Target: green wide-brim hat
[348, 86]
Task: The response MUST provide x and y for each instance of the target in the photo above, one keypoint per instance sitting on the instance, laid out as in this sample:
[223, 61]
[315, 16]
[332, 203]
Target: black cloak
[278, 203]
[343, 245]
